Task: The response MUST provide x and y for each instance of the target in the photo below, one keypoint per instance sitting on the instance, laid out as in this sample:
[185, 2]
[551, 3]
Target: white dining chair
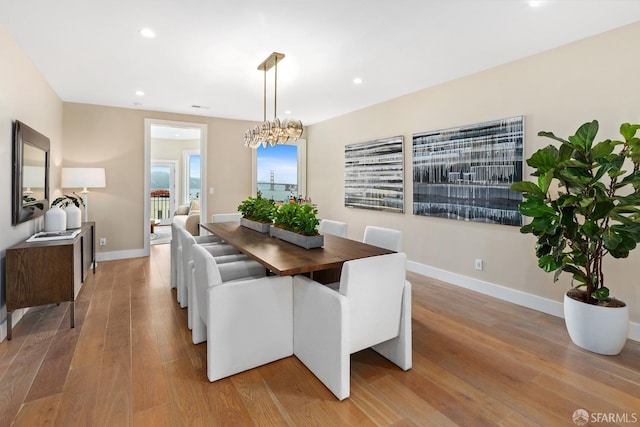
[246, 323]
[215, 246]
[249, 268]
[337, 228]
[371, 309]
[174, 247]
[387, 238]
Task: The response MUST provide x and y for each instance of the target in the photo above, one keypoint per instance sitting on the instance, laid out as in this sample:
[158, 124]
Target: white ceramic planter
[74, 216]
[602, 330]
[55, 219]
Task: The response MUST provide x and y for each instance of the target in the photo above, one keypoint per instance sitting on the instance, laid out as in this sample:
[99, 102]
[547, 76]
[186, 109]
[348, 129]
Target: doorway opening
[163, 191]
[175, 155]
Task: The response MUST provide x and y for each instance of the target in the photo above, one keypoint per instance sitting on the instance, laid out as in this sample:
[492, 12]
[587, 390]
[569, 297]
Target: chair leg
[179, 273]
[173, 260]
[198, 327]
[190, 298]
[398, 350]
[187, 270]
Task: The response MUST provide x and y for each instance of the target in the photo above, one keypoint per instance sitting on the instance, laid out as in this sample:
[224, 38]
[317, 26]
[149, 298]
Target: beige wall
[113, 138]
[24, 96]
[595, 78]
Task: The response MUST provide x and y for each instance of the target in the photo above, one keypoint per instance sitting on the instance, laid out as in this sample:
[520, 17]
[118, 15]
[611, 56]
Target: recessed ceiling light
[148, 33]
[357, 81]
[535, 3]
[139, 93]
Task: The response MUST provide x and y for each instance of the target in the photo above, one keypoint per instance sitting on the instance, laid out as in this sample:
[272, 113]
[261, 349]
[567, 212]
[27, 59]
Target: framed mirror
[30, 173]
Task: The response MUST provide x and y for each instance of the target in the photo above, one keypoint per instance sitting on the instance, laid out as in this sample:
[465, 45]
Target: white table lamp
[32, 177]
[83, 178]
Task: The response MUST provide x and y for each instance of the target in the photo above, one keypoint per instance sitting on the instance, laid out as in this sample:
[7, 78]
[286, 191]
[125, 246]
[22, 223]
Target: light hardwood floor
[130, 361]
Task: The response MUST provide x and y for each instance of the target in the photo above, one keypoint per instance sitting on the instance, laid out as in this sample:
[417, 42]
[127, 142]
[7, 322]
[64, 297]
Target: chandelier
[272, 132]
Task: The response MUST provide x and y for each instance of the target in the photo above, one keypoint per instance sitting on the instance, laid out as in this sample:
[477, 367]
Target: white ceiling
[206, 52]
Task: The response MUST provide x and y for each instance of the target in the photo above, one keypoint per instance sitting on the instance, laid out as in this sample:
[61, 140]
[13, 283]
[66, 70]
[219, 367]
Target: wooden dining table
[283, 258]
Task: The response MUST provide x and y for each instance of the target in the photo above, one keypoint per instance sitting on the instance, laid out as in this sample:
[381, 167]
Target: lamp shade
[33, 176]
[83, 178]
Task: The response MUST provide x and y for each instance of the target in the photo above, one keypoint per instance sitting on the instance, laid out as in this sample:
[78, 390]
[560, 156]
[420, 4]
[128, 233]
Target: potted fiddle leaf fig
[585, 206]
[257, 213]
[297, 224]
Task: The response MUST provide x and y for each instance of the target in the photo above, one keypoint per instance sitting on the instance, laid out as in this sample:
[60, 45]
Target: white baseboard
[524, 299]
[112, 256]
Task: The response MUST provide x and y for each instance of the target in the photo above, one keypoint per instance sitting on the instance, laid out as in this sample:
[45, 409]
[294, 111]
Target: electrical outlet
[103, 241]
[478, 264]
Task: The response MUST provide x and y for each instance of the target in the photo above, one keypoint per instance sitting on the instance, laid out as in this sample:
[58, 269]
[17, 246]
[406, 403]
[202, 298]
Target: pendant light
[270, 133]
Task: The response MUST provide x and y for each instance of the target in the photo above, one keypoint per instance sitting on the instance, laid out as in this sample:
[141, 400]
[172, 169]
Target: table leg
[9, 325]
[72, 314]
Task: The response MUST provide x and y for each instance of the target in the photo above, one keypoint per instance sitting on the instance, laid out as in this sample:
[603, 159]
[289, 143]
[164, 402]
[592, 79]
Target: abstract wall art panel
[464, 173]
[374, 175]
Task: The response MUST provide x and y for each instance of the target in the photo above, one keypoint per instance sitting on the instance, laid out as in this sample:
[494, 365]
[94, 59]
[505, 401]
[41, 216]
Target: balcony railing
[161, 205]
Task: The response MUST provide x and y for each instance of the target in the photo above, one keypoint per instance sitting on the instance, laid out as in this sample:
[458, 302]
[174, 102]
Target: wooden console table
[48, 272]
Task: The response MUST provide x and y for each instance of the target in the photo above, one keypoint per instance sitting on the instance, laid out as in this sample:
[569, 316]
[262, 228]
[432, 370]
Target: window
[281, 171]
[191, 181]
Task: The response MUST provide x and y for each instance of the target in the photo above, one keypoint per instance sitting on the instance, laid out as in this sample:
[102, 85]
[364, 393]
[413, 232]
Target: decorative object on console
[74, 216]
[71, 206]
[374, 175]
[83, 178]
[465, 173]
[274, 132]
[55, 219]
[46, 236]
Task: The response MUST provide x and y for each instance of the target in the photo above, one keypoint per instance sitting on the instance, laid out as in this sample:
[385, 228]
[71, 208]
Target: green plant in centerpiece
[257, 208]
[592, 211]
[66, 199]
[298, 218]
